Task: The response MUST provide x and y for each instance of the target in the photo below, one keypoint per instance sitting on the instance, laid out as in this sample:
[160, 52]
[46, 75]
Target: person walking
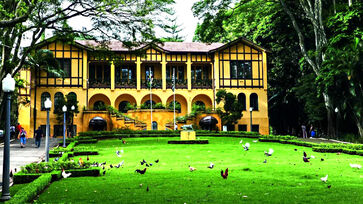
[305, 135]
[12, 132]
[18, 130]
[22, 137]
[38, 136]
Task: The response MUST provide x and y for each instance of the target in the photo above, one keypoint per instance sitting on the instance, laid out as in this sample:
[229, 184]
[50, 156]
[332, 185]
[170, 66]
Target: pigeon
[147, 189]
[143, 162]
[225, 174]
[122, 151]
[11, 174]
[211, 165]
[147, 165]
[140, 171]
[56, 159]
[306, 158]
[246, 147]
[151, 164]
[269, 153]
[104, 172]
[255, 141]
[123, 142]
[265, 161]
[192, 168]
[111, 166]
[358, 166]
[65, 175]
[240, 142]
[120, 164]
[295, 150]
[104, 163]
[321, 159]
[324, 179]
[15, 170]
[87, 158]
[118, 153]
[312, 156]
[157, 161]
[329, 186]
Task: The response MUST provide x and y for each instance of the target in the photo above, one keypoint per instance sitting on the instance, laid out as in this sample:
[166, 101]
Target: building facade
[117, 75]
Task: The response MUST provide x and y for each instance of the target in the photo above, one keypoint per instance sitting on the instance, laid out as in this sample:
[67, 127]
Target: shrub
[27, 193]
[45, 167]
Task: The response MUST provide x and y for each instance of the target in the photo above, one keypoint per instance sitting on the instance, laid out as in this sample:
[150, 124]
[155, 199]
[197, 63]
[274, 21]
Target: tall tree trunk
[330, 116]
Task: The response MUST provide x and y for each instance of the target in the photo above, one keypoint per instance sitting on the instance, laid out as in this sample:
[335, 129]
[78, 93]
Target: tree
[232, 110]
[69, 100]
[173, 29]
[24, 20]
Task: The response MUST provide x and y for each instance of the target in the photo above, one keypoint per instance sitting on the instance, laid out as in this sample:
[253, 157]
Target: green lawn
[285, 178]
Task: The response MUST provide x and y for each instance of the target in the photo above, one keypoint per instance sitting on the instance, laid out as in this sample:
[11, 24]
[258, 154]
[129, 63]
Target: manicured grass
[285, 178]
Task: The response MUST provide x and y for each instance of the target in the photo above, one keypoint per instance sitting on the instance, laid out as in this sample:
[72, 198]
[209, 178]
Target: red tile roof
[167, 46]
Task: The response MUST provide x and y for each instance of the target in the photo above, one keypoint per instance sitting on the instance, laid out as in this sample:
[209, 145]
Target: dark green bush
[45, 167]
[27, 193]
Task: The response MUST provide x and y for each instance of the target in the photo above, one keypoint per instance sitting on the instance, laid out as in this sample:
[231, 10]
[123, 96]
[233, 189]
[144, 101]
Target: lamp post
[336, 121]
[47, 105]
[8, 86]
[64, 109]
[72, 108]
[251, 109]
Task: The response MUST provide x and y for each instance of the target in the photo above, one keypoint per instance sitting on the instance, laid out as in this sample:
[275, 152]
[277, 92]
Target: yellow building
[118, 75]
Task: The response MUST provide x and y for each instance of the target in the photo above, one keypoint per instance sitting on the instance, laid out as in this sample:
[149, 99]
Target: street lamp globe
[72, 108]
[47, 103]
[64, 108]
[251, 109]
[8, 84]
[336, 109]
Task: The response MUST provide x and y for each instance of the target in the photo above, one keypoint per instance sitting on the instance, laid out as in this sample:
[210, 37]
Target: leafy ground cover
[284, 178]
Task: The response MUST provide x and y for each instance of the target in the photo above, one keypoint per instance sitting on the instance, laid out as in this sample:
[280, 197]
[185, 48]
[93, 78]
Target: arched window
[254, 101]
[177, 106]
[122, 107]
[72, 96]
[198, 106]
[43, 97]
[58, 101]
[99, 106]
[242, 100]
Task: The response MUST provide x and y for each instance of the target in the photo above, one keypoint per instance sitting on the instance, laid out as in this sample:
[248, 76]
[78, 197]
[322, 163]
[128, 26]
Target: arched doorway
[154, 125]
[98, 124]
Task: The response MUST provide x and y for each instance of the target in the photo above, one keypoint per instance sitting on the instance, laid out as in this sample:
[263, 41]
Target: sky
[185, 18]
[183, 13]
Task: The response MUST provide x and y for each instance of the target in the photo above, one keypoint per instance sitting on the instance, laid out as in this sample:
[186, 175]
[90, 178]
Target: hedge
[27, 193]
[92, 171]
[188, 142]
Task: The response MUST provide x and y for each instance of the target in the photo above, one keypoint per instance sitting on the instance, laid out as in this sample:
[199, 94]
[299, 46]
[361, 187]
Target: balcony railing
[179, 83]
[202, 84]
[99, 84]
[157, 83]
[125, 83]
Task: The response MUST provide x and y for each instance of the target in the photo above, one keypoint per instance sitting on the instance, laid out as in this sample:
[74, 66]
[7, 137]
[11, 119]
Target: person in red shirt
[18, 129]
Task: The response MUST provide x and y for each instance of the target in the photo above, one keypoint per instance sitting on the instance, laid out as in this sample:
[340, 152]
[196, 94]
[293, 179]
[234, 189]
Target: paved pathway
[22, 156]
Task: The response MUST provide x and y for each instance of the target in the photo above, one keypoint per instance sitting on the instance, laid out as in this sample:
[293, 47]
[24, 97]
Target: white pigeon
[118, 153]
[312, 156]
[240, 142]
[358, 166]
[270, 152]
[324, 179]
[122, 151]
[120, 164]
[246, 146]
[254, 141]
[65, 175]
[211, 165]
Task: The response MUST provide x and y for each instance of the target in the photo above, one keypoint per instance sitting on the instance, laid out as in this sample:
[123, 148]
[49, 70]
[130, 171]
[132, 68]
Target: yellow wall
[138, 95]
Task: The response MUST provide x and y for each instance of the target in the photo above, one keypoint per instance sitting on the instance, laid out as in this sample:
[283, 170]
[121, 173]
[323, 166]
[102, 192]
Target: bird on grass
[104, 172]
[312, 156]
[118, 153]
[192, 168]
[265, 161]
[255, 141]
[87, 158]
[11, 174]
[211, 165]
[157, 161]
[324, 179]
[225, 173]
[120, 164]
[65, 175]
[147, 165]
[123, 142]
[358, 166]
[306, 158]
[295, 149]
[321, 159]
[56, 159]
[269, 153]
[140, 171]
[143, 162]
[80, 162]
[240, 142]
[111, 166]
[147, 189]
[15, 170]
[246, 147]
[104, 163]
